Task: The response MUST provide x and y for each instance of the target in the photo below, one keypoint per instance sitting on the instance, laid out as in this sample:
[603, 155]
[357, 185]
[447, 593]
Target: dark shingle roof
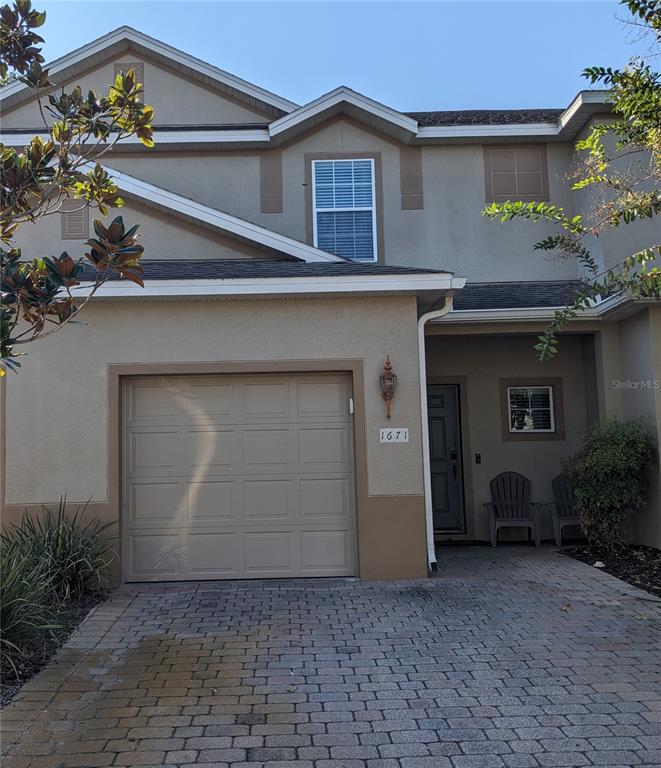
[516, 295]
[265, 269]
[486, 116]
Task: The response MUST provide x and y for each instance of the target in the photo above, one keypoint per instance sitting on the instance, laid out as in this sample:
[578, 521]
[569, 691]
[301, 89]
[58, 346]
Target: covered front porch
[492, 408]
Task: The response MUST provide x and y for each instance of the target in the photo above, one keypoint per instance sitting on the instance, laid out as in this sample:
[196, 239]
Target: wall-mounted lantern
[388, 384]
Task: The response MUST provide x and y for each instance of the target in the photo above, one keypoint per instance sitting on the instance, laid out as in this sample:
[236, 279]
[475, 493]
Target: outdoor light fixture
[388, 384]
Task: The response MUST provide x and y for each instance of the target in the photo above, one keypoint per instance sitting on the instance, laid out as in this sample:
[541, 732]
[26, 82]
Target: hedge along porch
[68, 424]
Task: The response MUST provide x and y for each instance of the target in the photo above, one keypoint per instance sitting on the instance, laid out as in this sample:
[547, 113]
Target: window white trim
[372, 208]
[549, 389]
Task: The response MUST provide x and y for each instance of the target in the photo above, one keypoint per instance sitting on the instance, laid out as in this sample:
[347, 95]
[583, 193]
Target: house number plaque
[394, 435]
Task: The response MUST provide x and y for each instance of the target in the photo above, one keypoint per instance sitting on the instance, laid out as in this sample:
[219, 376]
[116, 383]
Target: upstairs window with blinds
[74, 220]
[530, 409]
[344, 211]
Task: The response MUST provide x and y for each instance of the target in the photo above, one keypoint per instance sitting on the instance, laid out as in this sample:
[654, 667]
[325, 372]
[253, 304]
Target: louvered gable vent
[74, 217]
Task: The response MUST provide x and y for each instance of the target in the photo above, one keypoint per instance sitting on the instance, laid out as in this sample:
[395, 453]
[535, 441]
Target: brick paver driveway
[511, 657]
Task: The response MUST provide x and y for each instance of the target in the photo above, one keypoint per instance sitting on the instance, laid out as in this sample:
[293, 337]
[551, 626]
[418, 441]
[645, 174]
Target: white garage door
[238, 477]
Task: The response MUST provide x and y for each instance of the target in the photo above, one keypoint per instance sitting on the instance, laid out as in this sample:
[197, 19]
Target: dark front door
[445, 457]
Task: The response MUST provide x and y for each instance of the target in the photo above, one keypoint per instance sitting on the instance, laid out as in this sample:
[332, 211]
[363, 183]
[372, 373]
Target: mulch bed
[41, 649]
[637, 565]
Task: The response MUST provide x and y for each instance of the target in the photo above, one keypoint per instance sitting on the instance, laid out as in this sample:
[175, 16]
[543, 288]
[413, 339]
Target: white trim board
[279, 287]
[339, 97]
[522, 314]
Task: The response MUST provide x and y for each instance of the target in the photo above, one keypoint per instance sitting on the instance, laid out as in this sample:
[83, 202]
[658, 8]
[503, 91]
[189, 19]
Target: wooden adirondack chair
[564, 506]
[510, 505]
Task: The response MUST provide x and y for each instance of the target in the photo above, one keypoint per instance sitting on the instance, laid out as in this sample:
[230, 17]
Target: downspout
[426, 468]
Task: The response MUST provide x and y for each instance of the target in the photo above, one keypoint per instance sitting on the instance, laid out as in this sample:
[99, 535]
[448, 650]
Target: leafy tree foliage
[39, 292]
[623, 195]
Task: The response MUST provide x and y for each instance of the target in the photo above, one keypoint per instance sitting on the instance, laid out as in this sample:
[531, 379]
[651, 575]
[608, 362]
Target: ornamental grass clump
[25, 608]
[610, 475]
[48, 561]
[74, 551]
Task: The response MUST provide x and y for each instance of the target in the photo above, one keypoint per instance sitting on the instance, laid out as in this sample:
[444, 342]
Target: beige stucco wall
[449, 233]
[176, 99]
[226, 181]
[483, 362]
[57, 409]
[639, 387]
[163, 235]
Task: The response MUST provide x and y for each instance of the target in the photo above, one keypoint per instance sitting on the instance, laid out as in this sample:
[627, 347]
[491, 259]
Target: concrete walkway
[511, 657]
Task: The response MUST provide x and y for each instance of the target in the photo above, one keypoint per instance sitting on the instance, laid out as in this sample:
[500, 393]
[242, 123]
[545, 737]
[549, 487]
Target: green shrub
[610, 476]
[74, 552]
[25, 593]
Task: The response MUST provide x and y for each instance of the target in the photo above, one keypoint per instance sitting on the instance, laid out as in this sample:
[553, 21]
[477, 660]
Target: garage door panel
[209, 448]
[155, 502]
[325, 550]
[154, 556]
[238, 477]
[266, 447]
[323, 445]
[325, 397]
[321, 497]
[212, 501]
[266, 399]
[152, 403]
[214, 555]
[267, 499]
[206, 401]
[270, 552]
[153, 452]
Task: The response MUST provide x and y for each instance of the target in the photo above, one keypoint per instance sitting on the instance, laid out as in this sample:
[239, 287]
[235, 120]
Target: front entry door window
[445, 457]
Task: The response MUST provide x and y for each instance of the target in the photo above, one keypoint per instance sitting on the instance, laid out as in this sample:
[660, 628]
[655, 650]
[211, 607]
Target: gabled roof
[346, 101]
[127, 38]
[211, 218]
[285, 120]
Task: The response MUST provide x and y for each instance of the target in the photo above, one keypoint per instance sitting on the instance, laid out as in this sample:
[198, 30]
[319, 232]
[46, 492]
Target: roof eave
[290, 287]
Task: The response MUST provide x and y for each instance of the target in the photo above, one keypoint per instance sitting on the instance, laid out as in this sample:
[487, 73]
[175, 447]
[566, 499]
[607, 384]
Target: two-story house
[230, 415]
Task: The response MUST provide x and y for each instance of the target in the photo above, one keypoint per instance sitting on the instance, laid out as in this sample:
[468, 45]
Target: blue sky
[409, 55]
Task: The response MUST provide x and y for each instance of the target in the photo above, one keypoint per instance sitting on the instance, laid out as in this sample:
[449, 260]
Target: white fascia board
[514, 315]
[218, 219]
[517, 315]
[582, 99]
[291, 286]
[156, 46]
[338, 96]
[487, 131]
[162, 138]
